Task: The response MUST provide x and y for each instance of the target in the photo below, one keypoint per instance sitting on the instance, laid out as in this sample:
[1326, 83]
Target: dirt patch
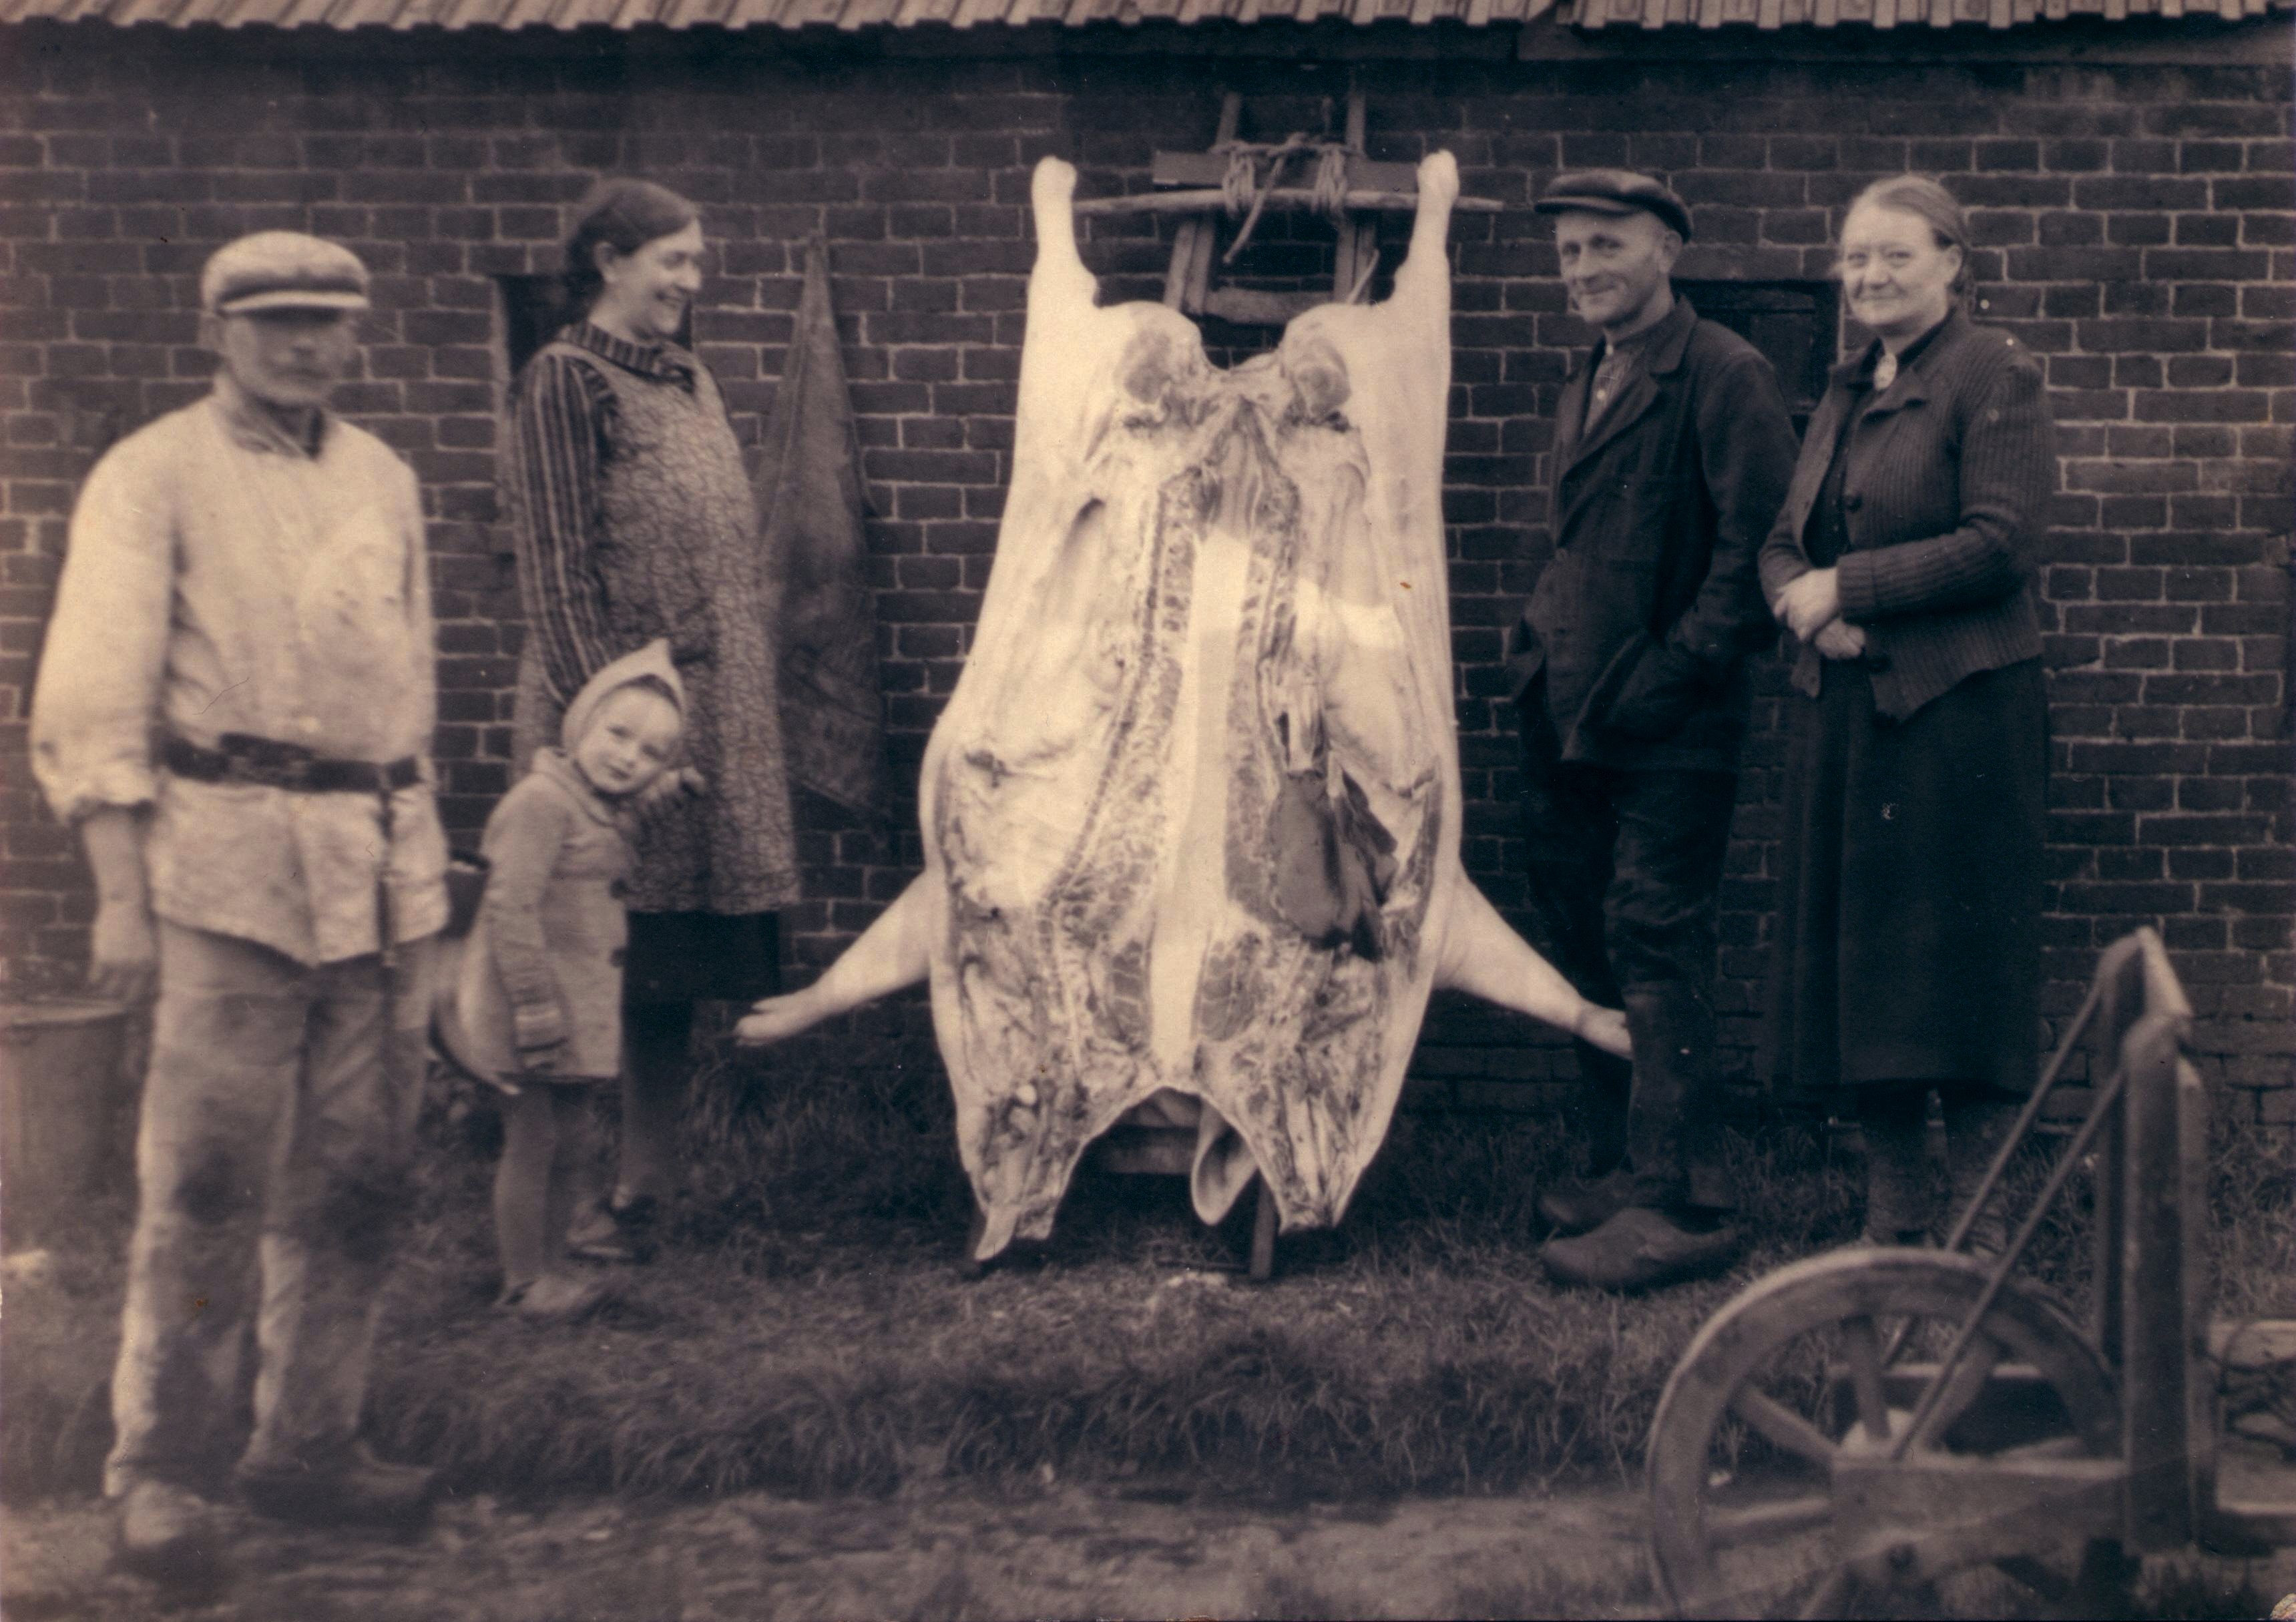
[1053, 1551]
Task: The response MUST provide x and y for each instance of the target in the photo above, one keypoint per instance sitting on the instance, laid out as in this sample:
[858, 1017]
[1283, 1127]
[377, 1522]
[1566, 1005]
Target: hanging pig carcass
[1192, 814]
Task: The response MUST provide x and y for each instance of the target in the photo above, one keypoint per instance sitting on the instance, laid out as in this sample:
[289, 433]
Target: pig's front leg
[891, 954]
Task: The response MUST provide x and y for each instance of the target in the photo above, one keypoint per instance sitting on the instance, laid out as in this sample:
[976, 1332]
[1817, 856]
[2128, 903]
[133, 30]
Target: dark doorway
[1794, 324]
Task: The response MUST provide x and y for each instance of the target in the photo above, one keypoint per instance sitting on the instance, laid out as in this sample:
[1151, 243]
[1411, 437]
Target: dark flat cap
[1614, 192]
[282, 270]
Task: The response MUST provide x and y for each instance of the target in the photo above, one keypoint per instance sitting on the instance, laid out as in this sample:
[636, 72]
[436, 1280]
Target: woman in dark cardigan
[1903, 561]
[633, 520]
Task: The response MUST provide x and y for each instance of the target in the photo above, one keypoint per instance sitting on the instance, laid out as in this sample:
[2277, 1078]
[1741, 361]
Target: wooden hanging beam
[1195, 191]
[1288, 198]
[1210, 169]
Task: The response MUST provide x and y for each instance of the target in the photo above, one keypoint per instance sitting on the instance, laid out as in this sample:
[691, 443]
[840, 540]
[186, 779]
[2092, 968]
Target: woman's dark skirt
[685, 957]
[1909, 923]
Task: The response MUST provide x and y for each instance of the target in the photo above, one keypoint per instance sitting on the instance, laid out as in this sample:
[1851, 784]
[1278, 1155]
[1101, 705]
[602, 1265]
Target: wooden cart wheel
[1799, 1369]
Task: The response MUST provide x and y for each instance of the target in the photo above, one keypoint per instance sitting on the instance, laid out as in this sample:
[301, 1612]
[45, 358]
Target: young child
[540, 1000]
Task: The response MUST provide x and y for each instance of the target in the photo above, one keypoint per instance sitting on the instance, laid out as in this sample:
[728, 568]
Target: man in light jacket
[234, 708]
[1672, 451]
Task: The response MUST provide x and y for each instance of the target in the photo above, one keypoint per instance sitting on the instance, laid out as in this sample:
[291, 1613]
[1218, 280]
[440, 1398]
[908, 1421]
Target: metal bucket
[66, 1112]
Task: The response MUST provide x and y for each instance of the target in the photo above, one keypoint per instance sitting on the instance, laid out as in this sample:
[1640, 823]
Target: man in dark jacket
[1672, 451]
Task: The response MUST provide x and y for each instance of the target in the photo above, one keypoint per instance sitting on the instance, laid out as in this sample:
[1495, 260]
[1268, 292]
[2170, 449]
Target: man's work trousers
[272, 1160]
[1624, 871]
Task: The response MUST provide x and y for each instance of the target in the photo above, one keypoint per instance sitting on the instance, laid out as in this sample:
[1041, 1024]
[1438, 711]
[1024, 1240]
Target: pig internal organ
[1192, 813]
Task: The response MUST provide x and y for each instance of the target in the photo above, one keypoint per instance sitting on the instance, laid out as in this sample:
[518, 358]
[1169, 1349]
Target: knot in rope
[1239, 186]
[1244, 193]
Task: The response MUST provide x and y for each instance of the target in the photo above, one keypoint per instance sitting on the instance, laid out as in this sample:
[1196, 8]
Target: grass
[807, 1329]
[2252, 1196]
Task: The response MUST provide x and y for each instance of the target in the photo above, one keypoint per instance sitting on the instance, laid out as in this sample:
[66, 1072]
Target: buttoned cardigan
[1945, 493]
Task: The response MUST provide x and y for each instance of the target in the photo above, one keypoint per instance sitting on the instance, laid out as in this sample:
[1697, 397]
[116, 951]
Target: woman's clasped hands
[1840, 639]
[1810, 607]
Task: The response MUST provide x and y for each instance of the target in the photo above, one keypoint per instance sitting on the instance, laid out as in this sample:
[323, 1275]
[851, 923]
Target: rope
[1332, 184]
[1245, 195]
[1240, 186]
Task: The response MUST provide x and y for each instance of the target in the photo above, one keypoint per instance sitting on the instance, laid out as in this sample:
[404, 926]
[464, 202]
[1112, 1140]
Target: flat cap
[281, 270]
[1614, 192]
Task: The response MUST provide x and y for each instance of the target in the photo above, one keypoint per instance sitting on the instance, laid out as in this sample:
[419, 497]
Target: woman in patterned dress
[633, 520]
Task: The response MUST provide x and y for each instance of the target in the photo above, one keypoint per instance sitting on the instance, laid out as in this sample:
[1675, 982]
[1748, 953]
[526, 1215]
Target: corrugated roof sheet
[850, 14]
[1892, 14]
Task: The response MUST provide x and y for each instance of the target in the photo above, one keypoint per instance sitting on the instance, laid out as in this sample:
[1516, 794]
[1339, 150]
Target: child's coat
[544, 965]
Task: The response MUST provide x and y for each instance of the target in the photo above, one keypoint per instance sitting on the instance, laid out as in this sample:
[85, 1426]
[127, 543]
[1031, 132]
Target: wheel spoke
[1862, 1343]
[1804, 1360]
[2042, 1451]
[1761, 1522]
[1962, 1387]
[1783, 1427]
[1829, 1598]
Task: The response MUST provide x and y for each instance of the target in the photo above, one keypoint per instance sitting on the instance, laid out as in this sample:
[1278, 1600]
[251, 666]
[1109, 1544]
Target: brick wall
[2137, 225]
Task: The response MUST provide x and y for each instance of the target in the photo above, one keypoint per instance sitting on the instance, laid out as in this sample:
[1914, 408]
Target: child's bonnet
[650, 666]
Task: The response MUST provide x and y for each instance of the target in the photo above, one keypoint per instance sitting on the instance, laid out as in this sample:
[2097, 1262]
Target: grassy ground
[807, 1329]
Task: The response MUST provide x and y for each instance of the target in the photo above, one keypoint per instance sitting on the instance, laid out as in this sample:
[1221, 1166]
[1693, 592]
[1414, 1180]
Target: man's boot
[1579, 1205]
[1573, 1205]
[1659, 1238]
[1606, 1084]
[1673, 1113]
[168, 1533]
[353, 1488]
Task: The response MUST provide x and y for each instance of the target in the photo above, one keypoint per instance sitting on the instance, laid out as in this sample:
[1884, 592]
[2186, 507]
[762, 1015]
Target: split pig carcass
[1192, 814]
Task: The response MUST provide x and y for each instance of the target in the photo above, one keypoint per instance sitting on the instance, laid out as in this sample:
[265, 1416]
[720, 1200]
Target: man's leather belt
[272, 765]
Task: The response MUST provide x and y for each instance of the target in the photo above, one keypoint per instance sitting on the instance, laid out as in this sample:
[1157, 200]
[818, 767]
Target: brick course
[2136, 227]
